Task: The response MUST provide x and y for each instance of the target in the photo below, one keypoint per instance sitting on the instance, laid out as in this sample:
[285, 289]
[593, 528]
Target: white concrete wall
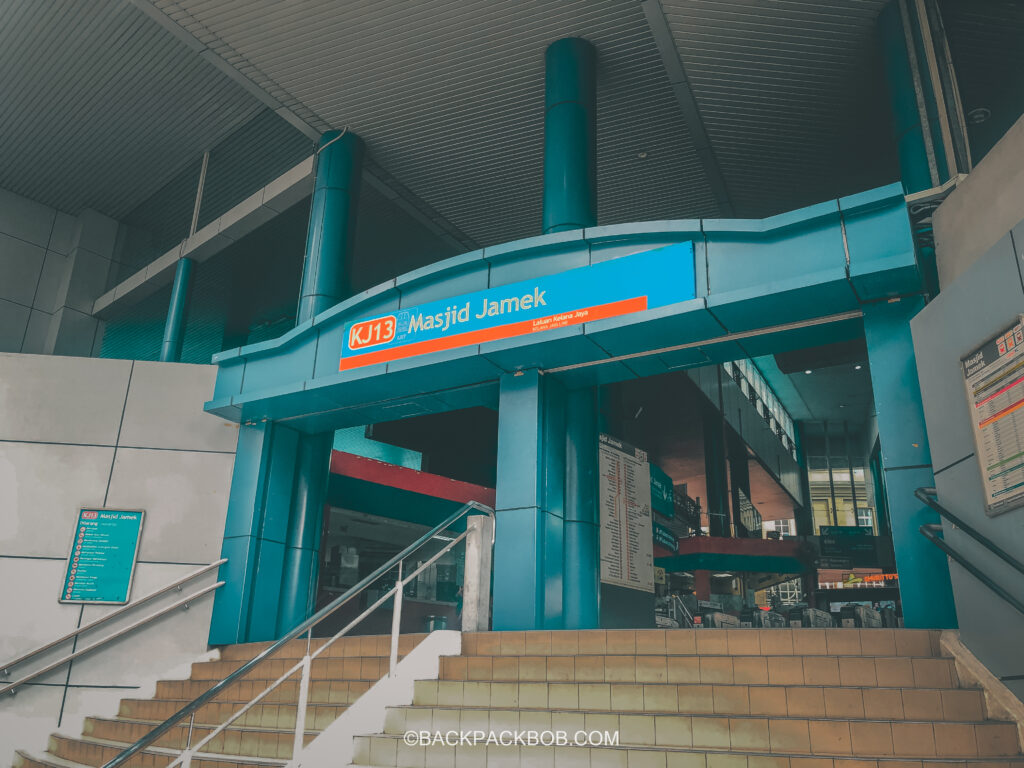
[980, 212]
[91, 432]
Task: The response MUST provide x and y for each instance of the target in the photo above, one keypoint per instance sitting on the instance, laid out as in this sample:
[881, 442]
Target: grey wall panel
[985, 299]
[61, 400]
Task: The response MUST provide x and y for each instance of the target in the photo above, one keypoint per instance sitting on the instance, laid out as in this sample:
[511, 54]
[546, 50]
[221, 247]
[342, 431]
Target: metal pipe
[174, 328]
[831, 483]
[396, 622]
[849, 461]
[199, 194]
[113, 614]
[929, 530]
[309, 623]
[930, 497]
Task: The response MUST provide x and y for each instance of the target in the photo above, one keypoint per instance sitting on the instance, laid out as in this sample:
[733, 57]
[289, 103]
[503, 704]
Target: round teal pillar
[174, 327]
[570, 135]
[581, 579]
[305, 523]
[332, 223]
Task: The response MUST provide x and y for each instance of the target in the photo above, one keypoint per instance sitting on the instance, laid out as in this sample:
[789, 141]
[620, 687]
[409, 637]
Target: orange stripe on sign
[997, 416]
[507, 331]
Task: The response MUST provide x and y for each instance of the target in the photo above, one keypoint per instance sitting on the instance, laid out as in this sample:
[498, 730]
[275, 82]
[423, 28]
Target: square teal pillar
[925, 589]
[581, 576]
[529, 522]
[255, 535]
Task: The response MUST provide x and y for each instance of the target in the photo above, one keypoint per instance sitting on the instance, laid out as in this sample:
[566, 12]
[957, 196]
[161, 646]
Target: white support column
[476, 586]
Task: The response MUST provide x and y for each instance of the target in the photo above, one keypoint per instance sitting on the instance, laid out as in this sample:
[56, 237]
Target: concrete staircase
[263, 736]
[746, 698]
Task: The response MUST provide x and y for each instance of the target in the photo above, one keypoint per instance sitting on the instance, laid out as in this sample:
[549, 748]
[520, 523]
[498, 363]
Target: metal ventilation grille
[101, 106]
[790, 95]
[449, 96]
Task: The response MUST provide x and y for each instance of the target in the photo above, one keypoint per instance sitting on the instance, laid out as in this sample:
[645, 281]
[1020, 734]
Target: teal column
[925, 589]
[332, 223]
[302, 547]
[256, 531]
[570, 135]
[529, 519]
[581, 577]
[174, 327]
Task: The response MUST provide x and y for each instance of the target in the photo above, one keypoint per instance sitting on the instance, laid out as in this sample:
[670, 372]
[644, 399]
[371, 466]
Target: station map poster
[627, 537]
[994, 376]
[103, 553]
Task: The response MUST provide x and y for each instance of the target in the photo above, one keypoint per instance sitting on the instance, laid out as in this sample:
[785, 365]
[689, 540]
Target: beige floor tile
[661, 698]
[592, 641]
[789, 736]
[955, 740]
[595, 695]
[883, 703]
[786, 670]
[805, 701]
[565, 696]
[620, 669]
[777, 642]
[962, 705]
[561, 668]
[589, 668]
[621, 641]
[767, 700]
[731, 699]
[913, 642]
[712, 641]
[871, 738]
[744, 642]
[650, 641]
[808, 642]
[651, 669]
[627, 697]
[932, 673]
[878, 642]
[512, 643]
[716, 669]
[533, 695]
[681, 641]
[538, 643]
[894, 673]
[913, 740]
[854, 671]
[695, 699]
[673, 731]
[996, 739]
[830, 737]
[710, 732]
[922, 704]
[750, 670]
[843, 642]
[565, 642]
[749, 734]
[683, 669]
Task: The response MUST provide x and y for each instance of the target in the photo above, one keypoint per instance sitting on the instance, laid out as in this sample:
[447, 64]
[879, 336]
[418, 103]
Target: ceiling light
[979, 115]
[642, 155]
[808, 371]
[857, 367]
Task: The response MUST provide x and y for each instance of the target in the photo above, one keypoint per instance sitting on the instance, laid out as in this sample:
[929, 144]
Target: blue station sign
[610, 288]
[102, 560]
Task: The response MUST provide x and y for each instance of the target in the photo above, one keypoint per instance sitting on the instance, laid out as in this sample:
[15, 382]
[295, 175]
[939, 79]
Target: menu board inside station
[102, 560]
[627, 547]
[994, 376]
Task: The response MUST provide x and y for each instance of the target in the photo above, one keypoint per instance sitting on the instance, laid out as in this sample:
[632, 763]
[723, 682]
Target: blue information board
[102, 560]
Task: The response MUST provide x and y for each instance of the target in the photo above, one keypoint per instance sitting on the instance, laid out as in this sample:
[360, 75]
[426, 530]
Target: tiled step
[786, 735]
[321, 691]
[334, 668]
[318, 716]
[98, 752]
[368, 645]
[391, 750]
[241, 741]
[890, 671]
[689, 642]
[951, 704]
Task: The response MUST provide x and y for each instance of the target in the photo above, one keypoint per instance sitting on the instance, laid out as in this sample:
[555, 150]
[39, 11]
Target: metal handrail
[297, 632]
[929, 530]
[930, 497]
[183, 603]
[6, 668]
[686, 611]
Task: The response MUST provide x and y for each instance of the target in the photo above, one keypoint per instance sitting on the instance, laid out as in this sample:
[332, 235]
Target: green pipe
[174, 328]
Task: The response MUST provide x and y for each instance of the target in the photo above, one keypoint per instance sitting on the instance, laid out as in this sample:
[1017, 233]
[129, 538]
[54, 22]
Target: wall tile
[20, 265]
[13, 322]
[25, 219]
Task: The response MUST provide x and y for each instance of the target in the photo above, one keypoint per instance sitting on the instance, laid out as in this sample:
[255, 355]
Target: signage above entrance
[608, 289]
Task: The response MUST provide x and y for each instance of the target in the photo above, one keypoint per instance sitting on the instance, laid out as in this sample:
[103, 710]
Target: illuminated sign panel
[609, 289]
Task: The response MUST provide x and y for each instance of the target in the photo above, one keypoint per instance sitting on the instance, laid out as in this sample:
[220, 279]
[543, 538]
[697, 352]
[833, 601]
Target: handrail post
[300, 709]
[476, 578]
[186, 756]
[396, 622]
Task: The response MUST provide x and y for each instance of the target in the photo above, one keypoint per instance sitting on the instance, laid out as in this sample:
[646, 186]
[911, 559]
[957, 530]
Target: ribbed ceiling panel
[449, 96]
[101, 106]
[790, 95]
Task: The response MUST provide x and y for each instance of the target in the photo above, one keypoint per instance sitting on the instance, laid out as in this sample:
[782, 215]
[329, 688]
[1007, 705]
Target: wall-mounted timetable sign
[102, 560]
[994, 376]
[607, 289]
